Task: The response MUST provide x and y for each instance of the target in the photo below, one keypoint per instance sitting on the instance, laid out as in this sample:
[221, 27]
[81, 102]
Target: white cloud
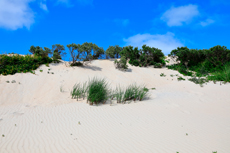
[43, 5]
[165, 42]
[15, 14]
[175, 16]
[207, 22]
[123, 22]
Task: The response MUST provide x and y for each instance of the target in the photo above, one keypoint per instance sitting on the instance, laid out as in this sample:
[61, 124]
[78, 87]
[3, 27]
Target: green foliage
[218, 55]
[182, 69]
[97, 92]
[162, 75]
[203, 62]
[134, 62]
[158, 65]
[113, 51]
[76, 64]
[223, 75]
[86, 48]
[180, 78]
[75, 56]
[122, 64]
[144, 57]
[18, 64]
[38, 51]
[152, 63]
[200, 81]
[58, 52]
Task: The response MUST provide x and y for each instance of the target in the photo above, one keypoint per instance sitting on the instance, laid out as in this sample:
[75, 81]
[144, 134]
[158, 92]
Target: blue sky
[161, 24]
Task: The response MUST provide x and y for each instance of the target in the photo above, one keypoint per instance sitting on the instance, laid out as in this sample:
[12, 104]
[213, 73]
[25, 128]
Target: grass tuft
[97, 92]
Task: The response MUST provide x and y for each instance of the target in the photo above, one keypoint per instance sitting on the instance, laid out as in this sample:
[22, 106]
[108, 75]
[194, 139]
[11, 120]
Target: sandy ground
[179, 116]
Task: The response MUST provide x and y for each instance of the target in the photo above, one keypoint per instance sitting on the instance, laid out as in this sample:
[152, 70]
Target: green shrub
[18, 64]
[180, 78]
[158, 65]
[76, 64]
[198, 80]
[122, 64]
[152, 63]
[135, 62]
[162, 74]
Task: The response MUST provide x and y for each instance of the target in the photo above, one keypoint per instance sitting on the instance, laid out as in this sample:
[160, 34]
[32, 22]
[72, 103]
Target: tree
[38, 51]
[73, 47]
[57, 50]
[218, 55]
[151, 54]
[113, 51]
[86, 48]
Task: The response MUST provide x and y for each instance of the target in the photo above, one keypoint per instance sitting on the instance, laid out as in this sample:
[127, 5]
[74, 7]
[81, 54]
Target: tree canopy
[113, 51]
[57, 50]
[38, 51]
[86, 48]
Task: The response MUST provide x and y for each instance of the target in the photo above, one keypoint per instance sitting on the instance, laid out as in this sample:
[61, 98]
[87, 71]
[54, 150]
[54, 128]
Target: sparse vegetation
[61, 89]
[122, 64]
[180, 78]
[162, 75]
[97, 92]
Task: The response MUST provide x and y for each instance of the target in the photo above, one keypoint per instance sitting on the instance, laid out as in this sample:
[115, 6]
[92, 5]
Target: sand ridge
[178, 116]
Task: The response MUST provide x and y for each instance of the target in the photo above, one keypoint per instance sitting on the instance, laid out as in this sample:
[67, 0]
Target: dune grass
[97, 91]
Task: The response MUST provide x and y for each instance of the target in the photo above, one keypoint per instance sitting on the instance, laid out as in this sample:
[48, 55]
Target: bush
[152, 63]
[122, 64]
[76, 64]
[18, 64]
[135, 62]
[180, 78]
[158, 65]
[162, 74]
[198, 80]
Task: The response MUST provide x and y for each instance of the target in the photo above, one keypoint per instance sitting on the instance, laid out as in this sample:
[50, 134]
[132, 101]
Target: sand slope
[36, 117]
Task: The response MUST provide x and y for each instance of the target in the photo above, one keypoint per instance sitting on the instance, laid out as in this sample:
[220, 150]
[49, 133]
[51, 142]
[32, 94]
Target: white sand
[36, 117]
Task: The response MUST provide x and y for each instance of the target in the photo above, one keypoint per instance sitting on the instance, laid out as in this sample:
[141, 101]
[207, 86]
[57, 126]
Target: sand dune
[179, 116]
